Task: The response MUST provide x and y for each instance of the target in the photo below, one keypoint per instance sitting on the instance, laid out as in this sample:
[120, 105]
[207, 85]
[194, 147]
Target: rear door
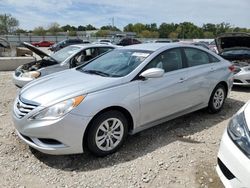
[202, 74]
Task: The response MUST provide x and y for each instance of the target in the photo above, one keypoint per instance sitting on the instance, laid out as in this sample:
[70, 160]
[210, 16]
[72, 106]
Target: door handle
[212, 69]
[181, 80]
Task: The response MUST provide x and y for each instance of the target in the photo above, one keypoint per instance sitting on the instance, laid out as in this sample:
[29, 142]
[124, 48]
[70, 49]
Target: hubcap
[109, 134]
[218, 98]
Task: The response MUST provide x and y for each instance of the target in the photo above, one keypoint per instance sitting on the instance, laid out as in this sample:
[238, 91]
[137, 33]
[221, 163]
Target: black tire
[94, 130]
[215, 105]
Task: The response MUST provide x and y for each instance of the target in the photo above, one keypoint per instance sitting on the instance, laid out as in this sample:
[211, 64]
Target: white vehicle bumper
[233, 165]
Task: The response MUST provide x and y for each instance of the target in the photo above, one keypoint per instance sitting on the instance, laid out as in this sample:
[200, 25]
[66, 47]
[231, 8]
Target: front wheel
[217, 99]
[107, 133]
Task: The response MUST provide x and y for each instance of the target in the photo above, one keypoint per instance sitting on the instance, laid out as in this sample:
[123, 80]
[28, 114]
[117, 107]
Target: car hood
[229, 41]
[63, 85]
[36, 50]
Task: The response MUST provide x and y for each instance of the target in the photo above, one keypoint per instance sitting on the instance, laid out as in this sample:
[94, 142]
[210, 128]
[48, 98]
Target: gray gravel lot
[179, 153]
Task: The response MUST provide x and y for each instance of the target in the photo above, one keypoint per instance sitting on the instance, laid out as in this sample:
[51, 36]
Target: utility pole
[113, 22]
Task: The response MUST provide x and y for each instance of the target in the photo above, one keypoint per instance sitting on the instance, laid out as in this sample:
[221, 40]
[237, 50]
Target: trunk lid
[229, 41]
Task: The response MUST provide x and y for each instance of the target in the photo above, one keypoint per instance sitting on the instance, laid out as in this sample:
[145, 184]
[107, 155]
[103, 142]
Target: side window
[196, 57]
[213, 59]
[103, 50]
[169, 60]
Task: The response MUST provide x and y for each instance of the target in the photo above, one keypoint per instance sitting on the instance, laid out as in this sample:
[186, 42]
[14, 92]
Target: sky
[34, 13]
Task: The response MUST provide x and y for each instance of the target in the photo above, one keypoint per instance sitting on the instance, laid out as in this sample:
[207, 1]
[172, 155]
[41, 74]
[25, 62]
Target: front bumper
[242, 78]
[21, 81]
[57, 137]
[234, 166]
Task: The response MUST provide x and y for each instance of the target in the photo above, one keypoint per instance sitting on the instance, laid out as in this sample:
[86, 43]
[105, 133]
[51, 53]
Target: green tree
[223, 28]
[102, 33]
[8, 24]
[151, 27]
[149, 34]
[54, 28]
[40, 31]
[208, 35]
[19, 31]
[81, 28]
[165, 29]
[72, 33]
[66, 28]
[188, 30]
[173, 35]
[128, 28]
[109, 27]
[90, 27]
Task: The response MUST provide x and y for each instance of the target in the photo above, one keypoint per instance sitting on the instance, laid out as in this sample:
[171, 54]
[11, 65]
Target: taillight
[231, 68]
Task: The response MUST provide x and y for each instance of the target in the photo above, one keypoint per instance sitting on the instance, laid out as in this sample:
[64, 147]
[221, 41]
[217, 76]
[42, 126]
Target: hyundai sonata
[124, 91]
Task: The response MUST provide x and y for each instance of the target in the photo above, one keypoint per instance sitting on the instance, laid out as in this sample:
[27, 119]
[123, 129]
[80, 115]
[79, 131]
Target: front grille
[21, 109]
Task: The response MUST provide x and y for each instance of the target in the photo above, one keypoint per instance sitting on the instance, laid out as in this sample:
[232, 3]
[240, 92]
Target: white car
[234, 154]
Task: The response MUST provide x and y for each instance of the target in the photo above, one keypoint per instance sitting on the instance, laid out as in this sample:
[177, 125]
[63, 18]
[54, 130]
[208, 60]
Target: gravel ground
[178, 153]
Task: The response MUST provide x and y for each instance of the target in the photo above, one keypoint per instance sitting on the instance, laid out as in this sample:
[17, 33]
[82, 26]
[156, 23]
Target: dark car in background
[128, 41]
[65, 43]
[235, 47]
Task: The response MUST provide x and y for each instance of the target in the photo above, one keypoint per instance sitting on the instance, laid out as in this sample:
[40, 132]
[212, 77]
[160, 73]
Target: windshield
[64, 53]
[117, 63]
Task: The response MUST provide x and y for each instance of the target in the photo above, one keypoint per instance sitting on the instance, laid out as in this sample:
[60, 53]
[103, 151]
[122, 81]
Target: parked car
[103, 41]
[68, 57]
[43, 43]
[233, 165]
[65, 43]
[124, 91]
[235, 47]
[128, 41]
[160, 41]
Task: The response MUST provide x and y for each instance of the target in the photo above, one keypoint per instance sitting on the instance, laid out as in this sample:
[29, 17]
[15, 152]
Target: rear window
[196, 57]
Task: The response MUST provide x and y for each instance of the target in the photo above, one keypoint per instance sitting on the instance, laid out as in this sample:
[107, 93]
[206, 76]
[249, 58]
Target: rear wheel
[107, 133]
[217, 99]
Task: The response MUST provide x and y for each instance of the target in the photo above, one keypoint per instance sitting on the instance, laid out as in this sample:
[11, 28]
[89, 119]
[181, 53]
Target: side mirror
[152, 73]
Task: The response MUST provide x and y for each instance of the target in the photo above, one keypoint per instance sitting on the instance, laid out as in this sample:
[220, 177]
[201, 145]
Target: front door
[161, 97]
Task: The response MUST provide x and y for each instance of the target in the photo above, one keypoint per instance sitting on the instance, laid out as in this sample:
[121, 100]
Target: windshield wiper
[97, 72]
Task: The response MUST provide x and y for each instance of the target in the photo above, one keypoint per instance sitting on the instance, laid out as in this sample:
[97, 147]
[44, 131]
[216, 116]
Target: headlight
[239, 132]
[31, 74]
[58, 110]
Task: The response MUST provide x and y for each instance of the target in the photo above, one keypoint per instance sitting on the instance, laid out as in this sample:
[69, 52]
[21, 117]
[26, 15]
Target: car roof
[152, 46]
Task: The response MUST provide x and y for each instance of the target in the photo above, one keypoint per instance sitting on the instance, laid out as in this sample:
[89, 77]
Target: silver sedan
[124, 91]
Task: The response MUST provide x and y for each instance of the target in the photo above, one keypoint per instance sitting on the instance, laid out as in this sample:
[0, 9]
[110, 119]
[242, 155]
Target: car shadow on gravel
[144, 142]
[242, 89]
